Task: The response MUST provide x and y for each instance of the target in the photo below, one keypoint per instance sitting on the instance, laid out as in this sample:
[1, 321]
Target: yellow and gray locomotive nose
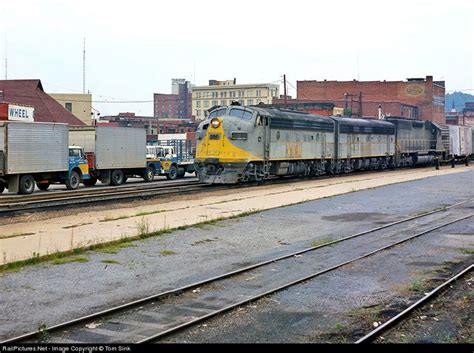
[217, 146]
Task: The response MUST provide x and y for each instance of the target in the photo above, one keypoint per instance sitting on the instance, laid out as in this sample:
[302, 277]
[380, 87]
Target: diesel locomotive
[237, 144]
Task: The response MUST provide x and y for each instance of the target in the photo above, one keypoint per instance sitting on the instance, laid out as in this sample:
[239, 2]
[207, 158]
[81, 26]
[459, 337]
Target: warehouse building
[31, 93]
[415, 98]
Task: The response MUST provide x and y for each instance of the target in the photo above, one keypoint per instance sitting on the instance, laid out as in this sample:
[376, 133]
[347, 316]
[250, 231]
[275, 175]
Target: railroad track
[90, 195]
[154, 317]
[9, 205]
[386, 326]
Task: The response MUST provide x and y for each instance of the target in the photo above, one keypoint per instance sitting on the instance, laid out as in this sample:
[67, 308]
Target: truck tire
[27, 185]
[173, 173]
[181, 174]
[2, 188]
[90, 182]
[74, 181]
[149, 174]
[116, 177]
[43, 186]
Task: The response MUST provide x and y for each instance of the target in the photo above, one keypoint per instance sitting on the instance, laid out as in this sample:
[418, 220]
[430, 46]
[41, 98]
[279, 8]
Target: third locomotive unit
[237, 144]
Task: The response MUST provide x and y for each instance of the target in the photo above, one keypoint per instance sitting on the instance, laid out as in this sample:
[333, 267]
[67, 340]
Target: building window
[198, 104]
[198, 112]
[215, 103]
[249, 101]
[223, 102]
[68, 106]
[206, 104]
[258, 93]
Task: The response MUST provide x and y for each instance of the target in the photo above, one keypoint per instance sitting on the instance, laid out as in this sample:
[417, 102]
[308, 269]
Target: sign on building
[16, 112]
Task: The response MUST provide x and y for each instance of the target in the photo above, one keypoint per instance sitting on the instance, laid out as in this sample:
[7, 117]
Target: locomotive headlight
[215, 123]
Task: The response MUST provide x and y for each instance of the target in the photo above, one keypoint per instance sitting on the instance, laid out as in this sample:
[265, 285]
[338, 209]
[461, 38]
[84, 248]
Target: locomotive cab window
[240, 113]
[216, 113]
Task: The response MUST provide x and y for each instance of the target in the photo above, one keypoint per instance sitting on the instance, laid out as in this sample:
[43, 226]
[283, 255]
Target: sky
[134, 48]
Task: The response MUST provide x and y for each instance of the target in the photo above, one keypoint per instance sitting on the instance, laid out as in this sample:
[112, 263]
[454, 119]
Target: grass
[77, 225]
[321, 242]
[167, 252]
[467, 251]
[14, 235]
[109, 218]
[69, 259]
[108, 261]
[143, 232]
[203, 241]
[418, 285]
[114, 248]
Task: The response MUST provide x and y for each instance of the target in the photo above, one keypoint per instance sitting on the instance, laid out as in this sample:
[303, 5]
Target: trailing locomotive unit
[237, 144]
[418, 142]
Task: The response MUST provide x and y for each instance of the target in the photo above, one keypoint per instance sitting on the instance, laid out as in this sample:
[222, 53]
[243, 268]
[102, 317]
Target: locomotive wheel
[27, 185]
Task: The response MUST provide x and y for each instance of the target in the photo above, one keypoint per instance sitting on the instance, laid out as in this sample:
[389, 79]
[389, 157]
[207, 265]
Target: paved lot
[47, 293]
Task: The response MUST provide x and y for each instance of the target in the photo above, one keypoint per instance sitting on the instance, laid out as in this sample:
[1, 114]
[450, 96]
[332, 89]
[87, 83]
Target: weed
[321, 242]
[167, 252]
[110, 262]
[418, 285]
[65, 260]
[14, 235]
[203, 241]
[77, 225]
[43, 333]
[143, 228]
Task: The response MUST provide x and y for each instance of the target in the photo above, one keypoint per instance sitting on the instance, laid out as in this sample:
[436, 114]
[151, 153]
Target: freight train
[237, 144]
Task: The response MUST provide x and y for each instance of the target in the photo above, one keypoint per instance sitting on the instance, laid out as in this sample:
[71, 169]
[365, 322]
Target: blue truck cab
[171, 159]
[78, 168]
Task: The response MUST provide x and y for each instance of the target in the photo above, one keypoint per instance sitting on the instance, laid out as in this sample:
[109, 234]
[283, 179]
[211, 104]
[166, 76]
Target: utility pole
[360, 104]
[284, 89]
[84, 67]
[6, 60]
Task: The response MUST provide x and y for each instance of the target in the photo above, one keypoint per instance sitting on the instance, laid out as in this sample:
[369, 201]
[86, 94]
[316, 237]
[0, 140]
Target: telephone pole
[84, 67]
[284, 89]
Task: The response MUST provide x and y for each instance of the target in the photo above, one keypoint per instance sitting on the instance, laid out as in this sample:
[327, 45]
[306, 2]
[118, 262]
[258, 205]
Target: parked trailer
[458, 140]
[114, 153]
[38, 153]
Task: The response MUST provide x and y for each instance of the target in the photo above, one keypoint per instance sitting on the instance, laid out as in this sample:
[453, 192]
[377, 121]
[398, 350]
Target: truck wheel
[116, 177]
[27, 185]
[2, 188]
[74, 180]
[90, 182]
[149, 174]
[182, 174]
[43, 186]
[125, 178]
[173, 173]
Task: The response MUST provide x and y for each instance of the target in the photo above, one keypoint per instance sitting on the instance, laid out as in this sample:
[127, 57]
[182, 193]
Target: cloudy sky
[134, 48]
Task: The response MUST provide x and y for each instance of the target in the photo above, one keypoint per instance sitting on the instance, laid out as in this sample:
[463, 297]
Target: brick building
[166, 126]
[466, 117]
[318, 108]
[175, 105]
[416, 98]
